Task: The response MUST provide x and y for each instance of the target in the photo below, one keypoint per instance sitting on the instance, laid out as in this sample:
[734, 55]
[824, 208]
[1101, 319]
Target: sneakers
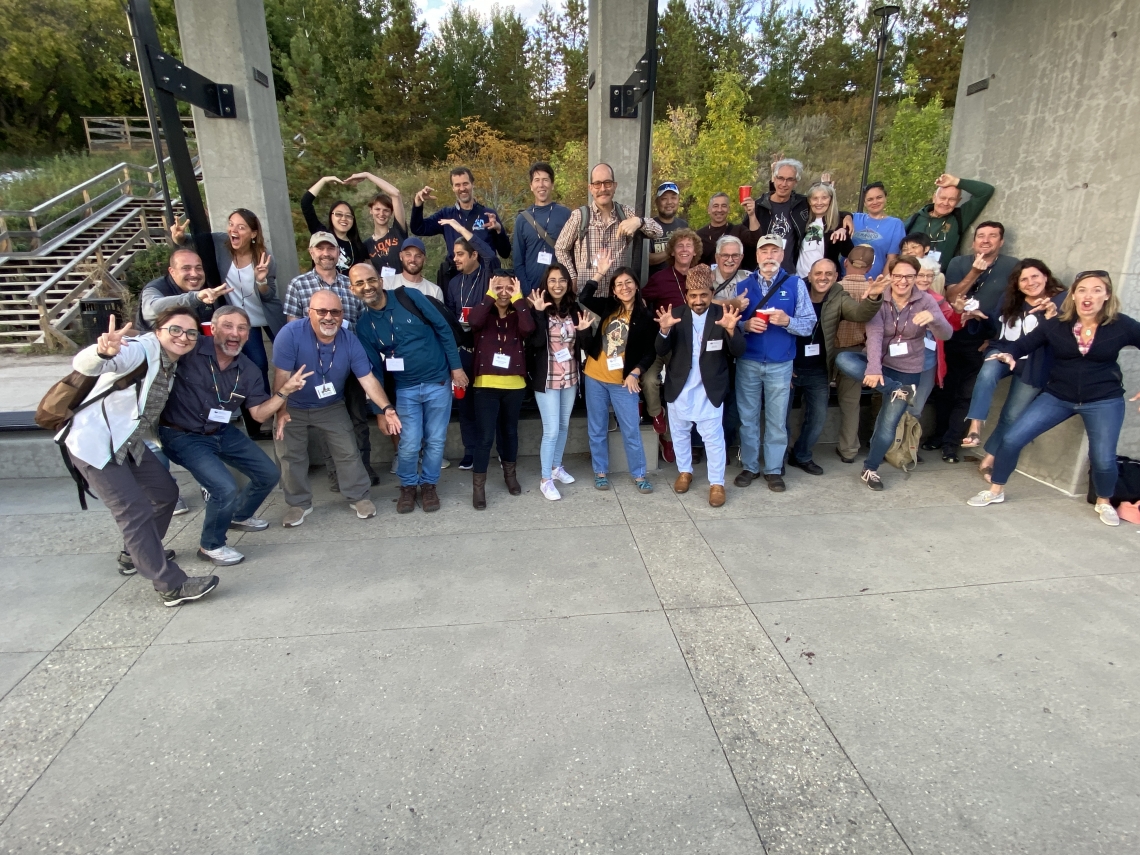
[127, 564]
[986, 497]
[429, 498]
[659, 424]
[667, 452]
[905, 392]
[843, 456]
[1108, 514]
[334, 484]
[249, 524]
[467, 462]
[549, 490]
[194, 588]
[295, 516]
[364, 508]
[443, 464]
[223, 556]
[871, 478]
[407, 501]
[180, 507]
[561, 475]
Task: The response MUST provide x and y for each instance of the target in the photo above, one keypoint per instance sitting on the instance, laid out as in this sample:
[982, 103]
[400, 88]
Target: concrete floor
[827, 670]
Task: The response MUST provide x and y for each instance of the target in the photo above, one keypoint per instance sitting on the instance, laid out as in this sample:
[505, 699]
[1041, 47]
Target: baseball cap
[413, 243]
[668, 186]
[322, 237]
[770, 240]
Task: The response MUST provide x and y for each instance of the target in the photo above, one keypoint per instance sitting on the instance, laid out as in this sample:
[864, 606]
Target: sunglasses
[1089, 274]
[175, 331]
[332, 313]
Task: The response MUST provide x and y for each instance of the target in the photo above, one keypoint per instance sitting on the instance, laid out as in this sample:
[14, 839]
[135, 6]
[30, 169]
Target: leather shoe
[716, 496]
[667, 451]
[681, 485]
[810, 466]
[407, 501]
[842, 457]
[775, 483]
[745, 478]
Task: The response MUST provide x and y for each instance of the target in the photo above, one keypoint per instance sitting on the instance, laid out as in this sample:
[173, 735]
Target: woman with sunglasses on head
[825, 236]
[1033, 293]
[874, 228]
[342, 224]
[552, 365]
[895, 356]
[619, 352]
[1086, 338]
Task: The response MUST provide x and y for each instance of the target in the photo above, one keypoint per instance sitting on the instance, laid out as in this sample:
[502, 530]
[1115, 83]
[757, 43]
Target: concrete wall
[1056, 132]
[242, 159]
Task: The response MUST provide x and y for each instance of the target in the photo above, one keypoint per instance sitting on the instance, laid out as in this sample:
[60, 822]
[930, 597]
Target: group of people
[733, 320]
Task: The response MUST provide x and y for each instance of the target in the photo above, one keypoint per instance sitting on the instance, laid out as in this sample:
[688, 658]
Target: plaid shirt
[302, 289]
[851, 334]
[581, 256]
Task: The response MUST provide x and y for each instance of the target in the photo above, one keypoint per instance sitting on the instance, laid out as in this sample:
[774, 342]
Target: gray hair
[227, 309]
[726, 239]
[928, 263]
[795, 164]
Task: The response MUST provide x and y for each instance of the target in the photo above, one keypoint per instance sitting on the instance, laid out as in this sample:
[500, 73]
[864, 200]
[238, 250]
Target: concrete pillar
[243, 163]
[617, 42]
[1055, 132]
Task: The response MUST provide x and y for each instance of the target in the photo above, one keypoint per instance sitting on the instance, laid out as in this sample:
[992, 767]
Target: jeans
[854, 365]
[599, 398]
[497, 412]
[554, 405]
[814, 390]
[424, 411]
[768, 384]
[206, 458]
[1102, 419]
[1019, 397]
[925, 387]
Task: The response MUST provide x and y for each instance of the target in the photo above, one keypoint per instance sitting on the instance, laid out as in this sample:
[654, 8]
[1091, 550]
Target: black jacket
[713, 363]
[639, 352]
[800, 215]
[537, 359]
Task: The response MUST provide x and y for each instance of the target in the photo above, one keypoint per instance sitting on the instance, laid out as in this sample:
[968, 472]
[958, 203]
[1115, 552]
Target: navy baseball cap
[413, 243]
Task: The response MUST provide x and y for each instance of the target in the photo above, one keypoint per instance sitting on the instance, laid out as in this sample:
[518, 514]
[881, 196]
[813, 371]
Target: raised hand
[603, 261]
[729, 319]
[516, 292]
[357, 177]
[491, 222]
[178, 231]
[111, 342]
[825, 178]
[749, 206]
[261, 271]
[538, 301]
[945, 180]
[208, 296]
[666, 320]
[877, 287]
[980, 262]
[924, 318]
[425, 193]
[585, 321]
[296, 381]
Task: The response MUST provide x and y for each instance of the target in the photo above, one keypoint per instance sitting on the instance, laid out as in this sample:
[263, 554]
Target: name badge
[344, 324]
[501, 360]
[220, 416]
[545, 258]
[562, 355]
[898, 348]
[394, 363]
[931, 344]
[325, 390]
[714, 344]
[811, 350]
[386, 271]
[615, 363]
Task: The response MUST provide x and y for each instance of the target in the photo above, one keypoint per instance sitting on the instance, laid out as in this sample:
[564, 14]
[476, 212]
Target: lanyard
[391, 351]
[217, 393]
[465, 296]
[320, 359]
[904, 315]
[549, 216]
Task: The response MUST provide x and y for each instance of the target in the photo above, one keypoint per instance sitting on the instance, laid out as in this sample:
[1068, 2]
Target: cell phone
[971, 305]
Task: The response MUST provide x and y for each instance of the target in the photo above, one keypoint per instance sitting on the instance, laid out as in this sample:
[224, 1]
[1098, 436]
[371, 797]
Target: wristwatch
[384, 410]
[282, 396]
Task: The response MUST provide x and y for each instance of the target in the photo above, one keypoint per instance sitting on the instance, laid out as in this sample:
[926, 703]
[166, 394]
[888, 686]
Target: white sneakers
[1107, 514]
[549, 490]
[249, 524]
[561, 475]
[986, 497]
[223, 556]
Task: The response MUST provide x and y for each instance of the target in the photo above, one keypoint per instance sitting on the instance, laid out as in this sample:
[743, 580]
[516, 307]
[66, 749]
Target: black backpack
[1127, 482]
[620, 210]
[408, 303]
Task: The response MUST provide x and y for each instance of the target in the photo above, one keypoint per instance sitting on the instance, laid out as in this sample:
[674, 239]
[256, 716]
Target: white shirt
[245, 296]
[429, 289]
[693, 403]
[811, 249]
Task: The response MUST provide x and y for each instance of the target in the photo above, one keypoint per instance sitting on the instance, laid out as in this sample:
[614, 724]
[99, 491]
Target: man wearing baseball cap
[667, 200]
[779, 309]
[412, 257]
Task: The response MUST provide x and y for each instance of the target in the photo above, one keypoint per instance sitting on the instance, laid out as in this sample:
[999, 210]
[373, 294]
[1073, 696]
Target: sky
[434, 10]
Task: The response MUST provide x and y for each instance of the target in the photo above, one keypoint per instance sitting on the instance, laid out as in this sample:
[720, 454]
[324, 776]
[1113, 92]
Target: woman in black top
[1085, 379]
[342, 225]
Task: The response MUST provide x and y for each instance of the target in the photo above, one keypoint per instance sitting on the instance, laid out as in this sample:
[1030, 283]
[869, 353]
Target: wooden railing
[124, 133]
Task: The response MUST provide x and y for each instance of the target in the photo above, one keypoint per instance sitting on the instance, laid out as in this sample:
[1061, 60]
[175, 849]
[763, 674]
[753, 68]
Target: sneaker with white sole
[562, 476]
[986, 497]
[295, 516]
[395, 467]
[871, 478]
[549, 490]
[443, 464]
[1107, 514]
[180, 507]
[194, 588]
[223, 556]
[249, 524]
[364, 509]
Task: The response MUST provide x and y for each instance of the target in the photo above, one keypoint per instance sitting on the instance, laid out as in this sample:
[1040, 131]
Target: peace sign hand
[178, 231]
[261, 271]
[296, 381]
[111, 342]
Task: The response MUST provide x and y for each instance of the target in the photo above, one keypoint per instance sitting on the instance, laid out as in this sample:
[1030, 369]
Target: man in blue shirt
[779, 309]
[472, 215]
[404, 334]
[537, 229]
[323, 346]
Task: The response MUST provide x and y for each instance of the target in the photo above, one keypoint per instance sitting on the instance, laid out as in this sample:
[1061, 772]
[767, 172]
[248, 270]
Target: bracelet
[282, 396]
[384, 410]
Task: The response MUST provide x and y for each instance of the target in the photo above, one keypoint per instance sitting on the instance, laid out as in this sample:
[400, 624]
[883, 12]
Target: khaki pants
[849, 392]
[335, 427]
[651, 390]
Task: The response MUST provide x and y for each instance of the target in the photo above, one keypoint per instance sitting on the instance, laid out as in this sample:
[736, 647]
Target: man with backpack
[409, 336]
[537, 229]
[602, 224]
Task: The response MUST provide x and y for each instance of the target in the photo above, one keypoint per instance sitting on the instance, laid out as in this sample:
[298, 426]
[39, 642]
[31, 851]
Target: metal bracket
[186, 84]
[625, 97]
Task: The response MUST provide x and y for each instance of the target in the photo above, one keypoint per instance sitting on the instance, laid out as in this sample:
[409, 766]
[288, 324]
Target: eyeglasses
[736, 257]
[175, 331]
[603, 185]
[899, 277]
[332, 313]
[786, 179]
[341, 215]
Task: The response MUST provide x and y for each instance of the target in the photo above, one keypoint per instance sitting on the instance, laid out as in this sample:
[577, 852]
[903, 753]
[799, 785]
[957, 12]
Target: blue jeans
[1019, 397]
[424, 411]
[815, 390]
[599, 397]
[255, 350]
[854, 365]
[925, 387]
[206, 458]
[768, 384]
[554, 405]
[1102, 419]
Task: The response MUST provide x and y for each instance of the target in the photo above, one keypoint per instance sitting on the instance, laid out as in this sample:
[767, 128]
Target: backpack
[903, 452]
[1127, 482]
[620, 210]
[406, 300]
[66, 397]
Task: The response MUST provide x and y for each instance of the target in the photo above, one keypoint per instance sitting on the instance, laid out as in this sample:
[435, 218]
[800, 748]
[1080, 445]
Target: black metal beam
[647, 78]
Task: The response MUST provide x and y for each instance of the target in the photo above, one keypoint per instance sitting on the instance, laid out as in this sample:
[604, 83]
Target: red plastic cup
[762, 314]
[745, 192]
[460, 392]
[466, 314]
[207, 328]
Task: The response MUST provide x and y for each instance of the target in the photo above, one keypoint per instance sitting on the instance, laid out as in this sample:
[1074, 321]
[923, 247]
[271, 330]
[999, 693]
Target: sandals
[643, 485]
[973, 440]
[601, 482]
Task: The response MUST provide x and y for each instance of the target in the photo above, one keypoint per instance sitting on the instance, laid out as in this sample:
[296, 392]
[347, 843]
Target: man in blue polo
[404, 334]
[779, 309]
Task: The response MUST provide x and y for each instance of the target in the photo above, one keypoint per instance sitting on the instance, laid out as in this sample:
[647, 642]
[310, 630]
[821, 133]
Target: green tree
[543, 72]
[570, 114]
[935, 49]
[462, 66]
[508, 86]
[684, 71]
[779, 48]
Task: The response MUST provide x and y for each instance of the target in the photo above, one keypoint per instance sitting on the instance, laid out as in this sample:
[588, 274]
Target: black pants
[952, 401]
[497, 412]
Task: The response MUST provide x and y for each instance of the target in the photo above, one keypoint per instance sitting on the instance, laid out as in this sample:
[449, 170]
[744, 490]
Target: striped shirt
[303, 287]
[581, 256]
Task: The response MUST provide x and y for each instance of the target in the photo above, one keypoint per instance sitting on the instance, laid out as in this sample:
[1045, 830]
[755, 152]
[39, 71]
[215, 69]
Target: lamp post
[883, 13]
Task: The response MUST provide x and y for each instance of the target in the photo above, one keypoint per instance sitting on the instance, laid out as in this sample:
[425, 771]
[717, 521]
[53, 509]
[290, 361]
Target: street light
[883, 13]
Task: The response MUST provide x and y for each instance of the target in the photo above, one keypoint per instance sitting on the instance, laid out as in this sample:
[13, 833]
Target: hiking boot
[871, 478]
[407, 501]
[249, 524]
[429, 498]
[127, 564]
[295, 516]
[716, 495]
[513, 485]
[775, 483]
[681, 485]
[194, 588]
[223, 556]
[809, 466]
[364, 508]
[478, 490]
[745, 478]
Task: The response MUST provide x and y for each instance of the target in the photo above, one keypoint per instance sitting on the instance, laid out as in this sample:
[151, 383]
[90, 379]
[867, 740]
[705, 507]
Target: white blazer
[98, 431]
